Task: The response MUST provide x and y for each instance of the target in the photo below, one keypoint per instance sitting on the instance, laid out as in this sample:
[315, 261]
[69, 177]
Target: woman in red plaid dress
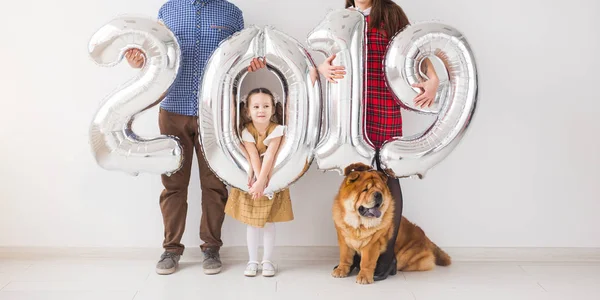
[383, 116]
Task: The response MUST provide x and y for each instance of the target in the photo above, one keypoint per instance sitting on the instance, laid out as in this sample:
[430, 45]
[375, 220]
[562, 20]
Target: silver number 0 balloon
[343, 142]
[115, 146]
[219, 98]
[455, 100]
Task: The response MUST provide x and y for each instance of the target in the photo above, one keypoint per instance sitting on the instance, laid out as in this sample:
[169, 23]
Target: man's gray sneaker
[168, 263]
[212, 261]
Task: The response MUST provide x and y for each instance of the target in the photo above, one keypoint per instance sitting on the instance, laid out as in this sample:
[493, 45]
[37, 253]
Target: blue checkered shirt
[199, 25]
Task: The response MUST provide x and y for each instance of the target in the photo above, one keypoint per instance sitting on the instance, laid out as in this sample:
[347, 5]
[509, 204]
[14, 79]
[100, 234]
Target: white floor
[67, 277]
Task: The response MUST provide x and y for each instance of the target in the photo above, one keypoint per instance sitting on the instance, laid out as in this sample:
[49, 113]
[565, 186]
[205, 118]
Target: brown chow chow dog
[363, 213]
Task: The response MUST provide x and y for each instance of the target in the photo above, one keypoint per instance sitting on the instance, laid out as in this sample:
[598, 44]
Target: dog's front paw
[341, 272]
[364, 278]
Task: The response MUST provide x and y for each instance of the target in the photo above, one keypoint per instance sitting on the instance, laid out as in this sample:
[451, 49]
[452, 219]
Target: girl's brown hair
[277, 107]
[385, 15]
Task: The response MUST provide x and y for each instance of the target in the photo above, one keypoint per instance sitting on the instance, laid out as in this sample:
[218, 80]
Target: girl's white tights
[268, 241]
[252, 237]
[252, 234]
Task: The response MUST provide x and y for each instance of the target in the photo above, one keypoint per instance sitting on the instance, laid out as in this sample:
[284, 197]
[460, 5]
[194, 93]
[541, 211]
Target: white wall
[525, 175]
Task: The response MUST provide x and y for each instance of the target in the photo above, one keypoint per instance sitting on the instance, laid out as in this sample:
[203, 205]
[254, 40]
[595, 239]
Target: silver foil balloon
[342, 32]
[219, 106]
[115, 146]
[455, 100]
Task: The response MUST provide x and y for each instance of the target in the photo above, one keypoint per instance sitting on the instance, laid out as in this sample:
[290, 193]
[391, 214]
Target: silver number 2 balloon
[455, 99]
[219, 100]
[114, 145]
[342, 33]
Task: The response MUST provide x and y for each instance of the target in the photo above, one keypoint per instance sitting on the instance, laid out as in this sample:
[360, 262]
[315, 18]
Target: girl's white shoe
[251, 269]
[268, 268]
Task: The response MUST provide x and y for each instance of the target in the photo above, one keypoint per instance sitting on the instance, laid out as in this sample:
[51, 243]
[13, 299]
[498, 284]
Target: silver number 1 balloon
[343, 33]
[114, 145]
[219, 100]
[455, 100]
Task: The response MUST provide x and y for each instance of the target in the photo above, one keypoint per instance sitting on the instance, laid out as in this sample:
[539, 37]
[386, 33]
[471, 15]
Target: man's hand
[135, 58]
[256, 64]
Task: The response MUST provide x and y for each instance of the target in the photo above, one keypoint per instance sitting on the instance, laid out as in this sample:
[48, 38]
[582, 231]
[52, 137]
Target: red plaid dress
[384, 120]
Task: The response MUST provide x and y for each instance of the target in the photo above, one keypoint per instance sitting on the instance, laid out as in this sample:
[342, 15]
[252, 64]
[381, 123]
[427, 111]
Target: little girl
[261, 135]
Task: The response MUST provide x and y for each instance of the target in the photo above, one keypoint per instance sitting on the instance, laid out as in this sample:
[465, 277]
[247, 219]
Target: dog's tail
[441, 258]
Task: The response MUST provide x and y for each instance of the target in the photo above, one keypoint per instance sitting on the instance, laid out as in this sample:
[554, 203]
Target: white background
[524, 175]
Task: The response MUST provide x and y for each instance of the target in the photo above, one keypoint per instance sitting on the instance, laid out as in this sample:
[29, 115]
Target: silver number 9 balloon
[342, 33]
[115, 146]
[219, 106]
[455, 100]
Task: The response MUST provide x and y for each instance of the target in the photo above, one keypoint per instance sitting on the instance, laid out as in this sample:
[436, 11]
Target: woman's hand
[331, 72]
[428, 91]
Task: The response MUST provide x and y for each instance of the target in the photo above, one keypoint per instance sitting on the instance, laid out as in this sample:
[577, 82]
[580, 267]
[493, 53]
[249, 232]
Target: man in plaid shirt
[199, 25]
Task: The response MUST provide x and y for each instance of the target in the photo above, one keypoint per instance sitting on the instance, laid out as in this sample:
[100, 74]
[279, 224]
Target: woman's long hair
[385, 15]
[245, 119]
